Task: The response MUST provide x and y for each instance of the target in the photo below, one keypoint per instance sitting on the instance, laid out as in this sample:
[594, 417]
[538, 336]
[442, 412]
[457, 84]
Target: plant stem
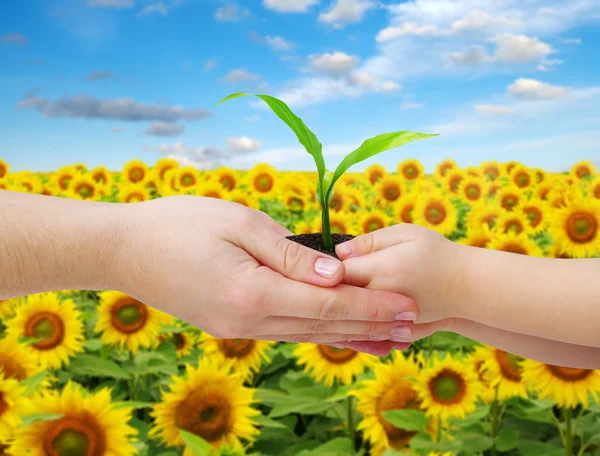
[327, 244]
[568, 431]
[495, 412]
[438, 431]
[351, 431]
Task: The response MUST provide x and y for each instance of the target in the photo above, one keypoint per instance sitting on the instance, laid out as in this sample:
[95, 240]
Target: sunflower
[442, 168]
[375, 172]
[536, 212]
[101, 175]
[13, 406]
[340, 201]
[434, 210]
[7, 307]
[211, 403]
[55, 324]
[513, 222]
[17, 360]
[135, 172]
[567, 386]
[245, 355]
[522, 177]
[83, 187]
[357, 199]
[50, 190]
[472, 189]
[389, 190]
[243, 198]
[133, 193]
[447, 389]
[575, 227]
[478, 236]
[372, 221]
[410, 170]
[128, 322]
[4, 167]
[392, 389]
[295, 202]
[163, 165]
[227, 177]
[515, 243]
[505, 372]
[303, 227]
[492, 188]
[186, 179]
[476, 362]
[510, 166]
[90, 425]
[26, 181]
[473, 171]
[63, 177]
[509, 198]
[405, 208]
[329, 364]
[262, 180]
[492, 170]
[583, 169]
[210, 189]
[453, 179]
[539, 175]
[341, 223]
[593, 187]
[184, 342]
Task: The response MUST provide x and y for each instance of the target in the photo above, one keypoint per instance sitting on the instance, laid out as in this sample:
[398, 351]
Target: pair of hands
[230, 271]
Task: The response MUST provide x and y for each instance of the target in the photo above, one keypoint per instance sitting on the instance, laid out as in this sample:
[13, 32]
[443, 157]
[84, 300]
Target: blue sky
[107, 81]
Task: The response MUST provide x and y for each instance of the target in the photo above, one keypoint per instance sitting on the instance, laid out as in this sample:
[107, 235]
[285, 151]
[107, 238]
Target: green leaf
[264, 421]
[376, 145]
[197, 445]
[531, 448]
[336, 447]
[306, 137]
[507, 439]
[93, 344]
[322, 189]
[96, 367]
[34, 382]
[30, 419]
[133, 404]
[304, 405]
[409, 420]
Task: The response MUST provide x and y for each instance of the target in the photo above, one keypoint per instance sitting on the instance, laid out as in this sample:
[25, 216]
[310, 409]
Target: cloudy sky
[107, 81]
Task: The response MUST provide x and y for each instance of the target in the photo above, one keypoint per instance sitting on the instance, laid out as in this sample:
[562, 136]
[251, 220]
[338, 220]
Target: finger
[287, 298]
[374, 348]
[361, 271]
[325, 338]
[372, 329]
[376, 241]
[273, 224]
[292, 260]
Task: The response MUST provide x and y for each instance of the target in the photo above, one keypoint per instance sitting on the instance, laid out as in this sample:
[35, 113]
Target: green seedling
[327, 179]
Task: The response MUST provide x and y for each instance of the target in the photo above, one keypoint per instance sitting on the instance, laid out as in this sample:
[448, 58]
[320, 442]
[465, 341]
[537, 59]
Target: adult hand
[231, 272]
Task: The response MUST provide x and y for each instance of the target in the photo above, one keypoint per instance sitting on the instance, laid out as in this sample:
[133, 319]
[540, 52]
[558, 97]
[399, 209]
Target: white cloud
[242, 144]
[571, 40]
[346, 11]
[473, 56]
[116, 4]
[407, 29]
[520, 48]
[337, 63]
[477, 20]
[532, 89]
[548, 64]
[409, 105]
[239, 75]
[289, 6]
[279, 43]
[390, 86]
[158, 8]
[209, 65]
[231, 13]
[158, 128]
[496, 110]
[200, 157]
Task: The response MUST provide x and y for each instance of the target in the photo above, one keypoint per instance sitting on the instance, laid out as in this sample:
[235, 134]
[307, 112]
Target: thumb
[293, 260]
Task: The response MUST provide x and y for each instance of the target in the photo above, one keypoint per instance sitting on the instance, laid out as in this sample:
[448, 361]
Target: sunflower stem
[327, 244]
[438, 430]
[351, 430]
[495, 413]
[568, 431]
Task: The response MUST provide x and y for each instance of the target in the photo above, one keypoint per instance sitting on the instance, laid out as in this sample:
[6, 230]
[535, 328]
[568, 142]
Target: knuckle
[373, 307]
[317, 326]
[372, 328]
[289, 252]
[299, 338]
[247, 219]
[333, 309]
[368, 242]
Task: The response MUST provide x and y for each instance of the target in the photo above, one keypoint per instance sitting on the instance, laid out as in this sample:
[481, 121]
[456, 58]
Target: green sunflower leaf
[197, 445]
[409, 420]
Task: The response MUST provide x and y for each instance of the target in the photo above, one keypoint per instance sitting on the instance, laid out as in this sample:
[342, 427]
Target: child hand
[412, 260]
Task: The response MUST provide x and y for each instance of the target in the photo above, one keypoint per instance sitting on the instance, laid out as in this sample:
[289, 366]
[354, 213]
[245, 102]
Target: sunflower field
[88, 373]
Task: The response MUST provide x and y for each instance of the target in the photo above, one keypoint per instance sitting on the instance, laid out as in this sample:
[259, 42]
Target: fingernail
[407, 316]
[374, 337]
[344, 249]
[336, 345]
[402, 332]
[326, 267]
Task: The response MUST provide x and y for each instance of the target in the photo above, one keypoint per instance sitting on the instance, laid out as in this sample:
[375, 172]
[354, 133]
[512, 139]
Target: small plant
[326, 178]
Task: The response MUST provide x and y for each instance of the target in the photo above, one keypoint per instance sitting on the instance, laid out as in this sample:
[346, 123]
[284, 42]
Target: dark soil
[315, 241]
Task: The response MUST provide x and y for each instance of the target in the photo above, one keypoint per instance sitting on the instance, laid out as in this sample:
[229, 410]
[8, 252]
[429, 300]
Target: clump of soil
[315, 241]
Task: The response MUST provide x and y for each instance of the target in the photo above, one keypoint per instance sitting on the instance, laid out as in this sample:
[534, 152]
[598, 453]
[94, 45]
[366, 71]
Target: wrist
[468, 266]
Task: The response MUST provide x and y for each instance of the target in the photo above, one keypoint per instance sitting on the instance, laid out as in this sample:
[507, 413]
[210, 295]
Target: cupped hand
[230, 271]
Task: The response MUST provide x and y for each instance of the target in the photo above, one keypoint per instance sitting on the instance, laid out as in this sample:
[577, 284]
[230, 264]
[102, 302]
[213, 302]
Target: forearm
[50, 244]
[547, 298]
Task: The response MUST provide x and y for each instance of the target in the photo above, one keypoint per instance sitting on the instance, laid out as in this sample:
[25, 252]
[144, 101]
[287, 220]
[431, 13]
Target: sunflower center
[206, 413]
[406, 214]
[509, 202]
[162, 172]
[435, 213]
[64, 182]
[514, 226]
[373, 224]
[100, 178]
[510, 365]
[534, 215]
[2, 171]
[479, 367]
[582, 227]
[236, 348]
[399, 396]
[136, 174]
[297, 205]
[391, 193]
[473, 192]
[3, 404]
[492, 173]
[134, 198]
[515, 248]
[522, 180]
[47, 327]
[263, 182]
[129, 315]
[582, 172]
[490, 220]
[74, 436]
[213, 194]
[11, 369]
[444, 169]
[411, 172]
[187, 180]
[179, 340]
[338, 227]
[337, 355]
[85, 190]
[447, 387]
[227, 182]
[569, 374]
[597, 191]
[335, 203]
[375, 176]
